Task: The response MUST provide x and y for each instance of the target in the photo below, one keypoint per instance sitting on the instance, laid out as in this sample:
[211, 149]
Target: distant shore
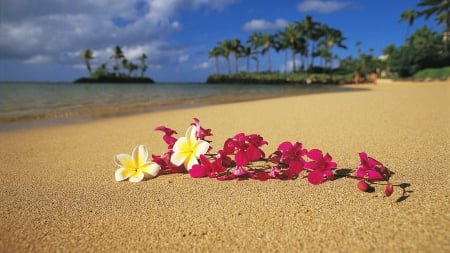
[114, 80]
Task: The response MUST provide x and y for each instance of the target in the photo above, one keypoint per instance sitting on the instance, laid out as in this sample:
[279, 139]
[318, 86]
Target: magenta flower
[373, 169]
[207, 168]
[201, 132]
[290, 155]
[246, 148]
[168, 138]
[320, 167]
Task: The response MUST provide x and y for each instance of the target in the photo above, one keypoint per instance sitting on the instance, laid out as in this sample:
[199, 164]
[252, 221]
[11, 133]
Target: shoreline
[102, 112]
[58, 192]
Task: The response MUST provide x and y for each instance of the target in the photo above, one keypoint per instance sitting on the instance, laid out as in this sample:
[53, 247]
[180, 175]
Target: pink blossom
[166, 166]
[320, 167]
[373, 169]
[168, 138]
[246, 148]
[290, 155]
[201, 132]
[207, 168]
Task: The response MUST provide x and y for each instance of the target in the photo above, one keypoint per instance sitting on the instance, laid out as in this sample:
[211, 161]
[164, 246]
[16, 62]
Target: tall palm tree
[291, 37]
[225, 49]
[236, 49]
[267, 41]
[143, 65]
[312, 31]
[254, 42]
[247, 52]
[216, 52]
[408, 15]
[440, 9]
[117, 56]
[87, 55]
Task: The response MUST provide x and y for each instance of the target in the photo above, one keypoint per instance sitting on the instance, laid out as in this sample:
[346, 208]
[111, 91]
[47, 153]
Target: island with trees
[424, 55]
[124, 70]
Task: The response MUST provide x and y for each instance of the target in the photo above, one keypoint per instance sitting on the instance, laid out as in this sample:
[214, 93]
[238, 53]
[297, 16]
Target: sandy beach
[58, 192]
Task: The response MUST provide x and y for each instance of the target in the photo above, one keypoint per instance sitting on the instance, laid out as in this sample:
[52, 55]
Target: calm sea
[34, 104]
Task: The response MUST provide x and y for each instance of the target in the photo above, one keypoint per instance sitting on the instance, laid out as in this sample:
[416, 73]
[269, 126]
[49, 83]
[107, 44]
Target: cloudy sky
[42, 40]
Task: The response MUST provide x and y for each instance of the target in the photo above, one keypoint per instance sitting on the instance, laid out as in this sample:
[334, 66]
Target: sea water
[23, 104]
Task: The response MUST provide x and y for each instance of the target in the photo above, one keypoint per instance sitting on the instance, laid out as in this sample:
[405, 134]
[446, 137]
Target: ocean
[32, 104]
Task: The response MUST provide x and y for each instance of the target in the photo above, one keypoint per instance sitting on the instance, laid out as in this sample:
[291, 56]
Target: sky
[42, 40]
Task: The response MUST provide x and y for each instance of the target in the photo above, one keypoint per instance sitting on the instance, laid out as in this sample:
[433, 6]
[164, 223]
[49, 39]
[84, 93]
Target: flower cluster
[241, 157]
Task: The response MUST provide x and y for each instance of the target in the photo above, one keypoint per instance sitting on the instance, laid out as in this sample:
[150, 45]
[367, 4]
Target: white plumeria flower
[135, 167]
[188, 149]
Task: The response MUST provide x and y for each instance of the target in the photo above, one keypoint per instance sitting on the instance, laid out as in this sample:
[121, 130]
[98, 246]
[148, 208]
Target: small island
[123, 70]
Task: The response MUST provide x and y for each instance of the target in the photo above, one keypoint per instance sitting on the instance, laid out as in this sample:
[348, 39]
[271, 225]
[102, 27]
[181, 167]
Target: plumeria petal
[140, 155]
[152, 169]
[137, 177]
[180, 145]
[124, 160]
[123, 173]
[201, 148]
[190, 161]
[177, 159]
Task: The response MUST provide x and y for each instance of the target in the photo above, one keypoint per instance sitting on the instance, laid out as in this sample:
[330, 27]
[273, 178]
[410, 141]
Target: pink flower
[246, 148]
[321, 167]
[168, 138]
[201, 132]
[207, 168]
[166, 166]
[373, 169]
[290, 155]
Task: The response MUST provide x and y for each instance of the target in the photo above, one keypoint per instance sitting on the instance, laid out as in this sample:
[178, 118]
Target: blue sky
[42, 40]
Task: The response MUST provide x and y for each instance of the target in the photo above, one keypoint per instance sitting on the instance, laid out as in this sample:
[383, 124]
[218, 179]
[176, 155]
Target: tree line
[123, 67]
[311, 39]
[308, 38]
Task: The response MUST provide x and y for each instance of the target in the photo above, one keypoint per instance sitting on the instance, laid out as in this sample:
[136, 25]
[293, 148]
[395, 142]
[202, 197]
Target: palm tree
[267, 41]
[408, 15]
[236, 49]
[312, 32]
[254, 42]
[225, 49]
[291, 38]
[216, 52]
[87, 55]
[247, 52]
[117, 56]
[143, 66]
[440, 8]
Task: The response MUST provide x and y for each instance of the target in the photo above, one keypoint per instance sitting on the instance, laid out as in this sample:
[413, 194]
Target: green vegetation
[426, 74]
[312, 40]
[123, 69]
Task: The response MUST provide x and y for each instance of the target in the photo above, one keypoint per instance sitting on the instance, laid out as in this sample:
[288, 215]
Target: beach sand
[58, 193]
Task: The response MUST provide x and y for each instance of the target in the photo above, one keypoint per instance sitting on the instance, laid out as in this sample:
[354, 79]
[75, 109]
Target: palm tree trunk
[217, 64]
[294, 68]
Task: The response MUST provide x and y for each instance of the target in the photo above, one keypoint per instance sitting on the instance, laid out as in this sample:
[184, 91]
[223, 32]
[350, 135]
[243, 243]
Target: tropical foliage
[122, 68]
[309, 39]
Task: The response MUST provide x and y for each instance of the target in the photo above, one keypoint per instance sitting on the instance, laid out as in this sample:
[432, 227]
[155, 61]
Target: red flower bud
[389, 189]
[363, 186]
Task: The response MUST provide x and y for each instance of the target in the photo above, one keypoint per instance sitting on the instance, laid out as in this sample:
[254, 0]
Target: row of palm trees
[121, 63]
[307, 38]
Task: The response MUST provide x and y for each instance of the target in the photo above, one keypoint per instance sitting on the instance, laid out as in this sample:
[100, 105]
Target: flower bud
[363, 186]
[389, 189]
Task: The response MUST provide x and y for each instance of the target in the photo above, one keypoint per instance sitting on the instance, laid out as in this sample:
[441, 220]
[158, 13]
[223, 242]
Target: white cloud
[322, 6]
[57, 31]
[264, 25]
[202, 65]
[183, 58]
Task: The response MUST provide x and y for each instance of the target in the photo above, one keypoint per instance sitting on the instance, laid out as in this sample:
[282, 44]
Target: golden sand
[58, 194]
